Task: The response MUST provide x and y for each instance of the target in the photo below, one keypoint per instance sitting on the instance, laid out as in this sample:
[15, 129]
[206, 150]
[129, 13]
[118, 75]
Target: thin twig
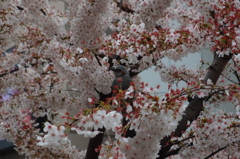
[124, 8]
[44, 13]
[12, 71]
[230, 79]
[20, 8]
[177, 142]
[215, 152]
[235, 72]
[174, 152]
[97, 59]
[41, 10]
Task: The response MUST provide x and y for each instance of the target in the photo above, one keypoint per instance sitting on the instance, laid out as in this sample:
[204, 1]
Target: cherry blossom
[59, 69]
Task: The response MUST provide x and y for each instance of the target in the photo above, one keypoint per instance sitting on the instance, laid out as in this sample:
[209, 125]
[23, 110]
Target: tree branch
[20, 8]
[196, 104]
[175, 152]
[94, 144]
[41, 10]
[123, 7]
[235, 72]
[99, 63]
[178, 142]
[12, 71]
[215, 152]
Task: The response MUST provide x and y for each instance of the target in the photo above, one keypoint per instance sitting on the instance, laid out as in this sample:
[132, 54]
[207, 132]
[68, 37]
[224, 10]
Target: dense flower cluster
[77, 47]
[55, 135]
[97, 119]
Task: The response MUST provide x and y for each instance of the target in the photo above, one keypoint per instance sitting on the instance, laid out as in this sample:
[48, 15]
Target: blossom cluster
[55, 135]
[94, 121]
[138, 34]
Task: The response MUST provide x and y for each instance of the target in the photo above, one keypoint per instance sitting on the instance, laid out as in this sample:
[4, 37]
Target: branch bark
[195, 106]
[93, 149]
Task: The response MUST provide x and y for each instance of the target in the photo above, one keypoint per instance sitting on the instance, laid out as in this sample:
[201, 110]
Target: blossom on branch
[62, 66]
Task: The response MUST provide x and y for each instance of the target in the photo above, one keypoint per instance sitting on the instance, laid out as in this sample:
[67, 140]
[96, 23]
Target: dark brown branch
[124, 7]
[12, 71]
[235, 73]
[94, 145]
[174, 152]
[17, 69]
[216, 68]
[97, 59]
[237, 76]
[178, 142]
[215, 152]
[44, 13]
[191, 113]
[41, 10]
[20, 8]
[48, 73]
[196, 104]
